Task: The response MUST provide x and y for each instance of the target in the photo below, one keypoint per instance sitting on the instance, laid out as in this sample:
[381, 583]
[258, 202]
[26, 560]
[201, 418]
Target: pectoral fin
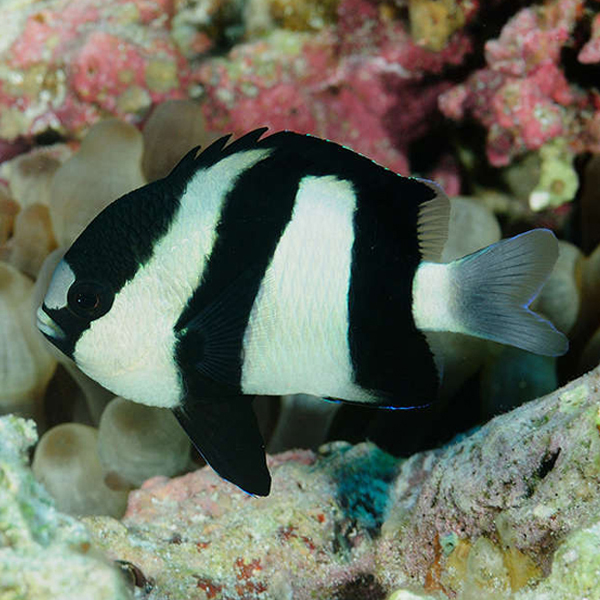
[225, 431]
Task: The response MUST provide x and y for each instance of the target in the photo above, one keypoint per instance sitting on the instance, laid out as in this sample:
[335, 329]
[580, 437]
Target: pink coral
[360, 83]
[590, 53]
[523, 97]
[71, 63]
[359, 79]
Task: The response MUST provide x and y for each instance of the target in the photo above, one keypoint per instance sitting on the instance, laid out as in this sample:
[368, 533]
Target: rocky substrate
[511, 510]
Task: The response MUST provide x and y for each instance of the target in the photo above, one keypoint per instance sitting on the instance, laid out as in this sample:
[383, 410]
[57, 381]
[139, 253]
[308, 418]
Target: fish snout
[46, 324]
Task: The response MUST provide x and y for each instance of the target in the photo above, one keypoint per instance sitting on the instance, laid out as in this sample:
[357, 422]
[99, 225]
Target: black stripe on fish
[390, 355]
[255, 214]
[130, 227]
[385, 258]
[127, 231]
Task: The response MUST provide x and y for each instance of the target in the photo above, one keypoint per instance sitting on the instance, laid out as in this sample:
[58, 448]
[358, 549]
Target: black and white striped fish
[281, 265]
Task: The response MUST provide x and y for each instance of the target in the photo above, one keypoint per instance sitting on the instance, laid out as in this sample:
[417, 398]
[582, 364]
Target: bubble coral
[29, 175]
[136, 442]
[303, 423]
[107, 165]
[174, 128]
[560, 298]
[32, 240]
[66, 462]
[8, 210]
[586, 334]
[472, 226]
[25, 365]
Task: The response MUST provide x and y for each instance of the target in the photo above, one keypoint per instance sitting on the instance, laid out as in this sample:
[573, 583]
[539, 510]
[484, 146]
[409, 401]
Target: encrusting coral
[68, 65]
[523, 96]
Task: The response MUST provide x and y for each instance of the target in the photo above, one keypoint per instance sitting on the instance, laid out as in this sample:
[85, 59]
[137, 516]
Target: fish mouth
[48, 326]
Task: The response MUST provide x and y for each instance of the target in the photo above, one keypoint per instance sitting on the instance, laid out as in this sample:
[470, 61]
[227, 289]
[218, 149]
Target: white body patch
[62, 279]
[434, 298]
[130, 350]
[296, 340]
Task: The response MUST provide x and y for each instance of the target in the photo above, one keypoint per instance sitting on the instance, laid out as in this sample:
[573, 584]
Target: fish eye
[89, 299]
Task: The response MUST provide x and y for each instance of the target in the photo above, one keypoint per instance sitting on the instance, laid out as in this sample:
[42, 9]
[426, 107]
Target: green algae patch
[573, 399]
[363, 475]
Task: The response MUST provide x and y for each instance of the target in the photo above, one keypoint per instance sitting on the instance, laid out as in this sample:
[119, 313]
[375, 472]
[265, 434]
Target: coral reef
[523, 97]
[137, 442]
[106, 166]
[25, 365]
[346, 522]
[510, 510]
[362, 82]
[498, 514]
[65, 64]
[66, 462]
[311, 67]
[523, 481]
[366, 74]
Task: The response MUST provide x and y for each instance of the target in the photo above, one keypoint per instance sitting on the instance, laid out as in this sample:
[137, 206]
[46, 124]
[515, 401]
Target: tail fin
[495, 286]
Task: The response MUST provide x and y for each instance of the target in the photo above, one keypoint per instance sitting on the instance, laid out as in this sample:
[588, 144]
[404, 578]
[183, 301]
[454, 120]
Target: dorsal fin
[187, 162]
[197, 157]
[213, 152]
[223, 147]
[432, 223]
[247, 141]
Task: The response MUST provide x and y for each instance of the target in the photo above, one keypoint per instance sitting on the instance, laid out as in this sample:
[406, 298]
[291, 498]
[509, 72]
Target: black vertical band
[255, 214]
[389, 354]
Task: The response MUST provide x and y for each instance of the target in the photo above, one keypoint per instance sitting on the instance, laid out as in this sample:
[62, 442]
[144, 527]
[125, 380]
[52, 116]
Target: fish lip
[48, 326]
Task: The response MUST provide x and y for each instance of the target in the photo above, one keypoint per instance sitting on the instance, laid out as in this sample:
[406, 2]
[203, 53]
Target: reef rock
[514, 490]
[510, 510]
[501, 513]
[198, 536]
[44, 555]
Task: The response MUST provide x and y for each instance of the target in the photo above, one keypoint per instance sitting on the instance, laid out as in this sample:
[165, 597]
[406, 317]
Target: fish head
[71, 305]
[106, 309]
